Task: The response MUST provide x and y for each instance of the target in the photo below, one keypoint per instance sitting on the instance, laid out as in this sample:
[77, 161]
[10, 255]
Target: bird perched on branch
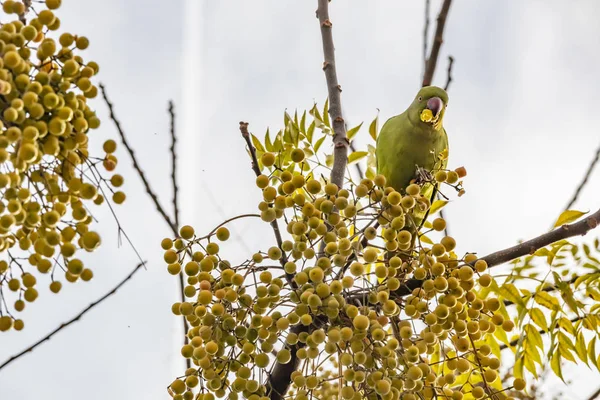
[411, 143]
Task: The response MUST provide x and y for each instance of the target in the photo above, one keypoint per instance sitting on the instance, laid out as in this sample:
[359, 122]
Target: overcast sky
[522, 119]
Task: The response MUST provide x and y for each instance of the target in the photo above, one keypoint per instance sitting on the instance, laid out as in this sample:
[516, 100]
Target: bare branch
[340, 142]
[437, 43]
[425, 34]
[74, 319]
[595, 395]
[359, 170]
[585, 179]
[449, 73]
[174, 164]
[283, 260]
[136, 164]
[188, 362]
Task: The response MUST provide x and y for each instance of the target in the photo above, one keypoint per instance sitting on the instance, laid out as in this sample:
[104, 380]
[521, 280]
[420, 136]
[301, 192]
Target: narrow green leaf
[518, 367]
[546, 300]
[591, 349]
[357, 155]
[568, 216]
[555, 365]
[326, 112]
[310, 132]
[303, 123]
[425, 239]
[437, 206]
[374, 128]
[352, 132]
[580, 348]
[511, 293]
[268, 143]
[257, 144]
[319, 143]
[538, 317]
[534, 336]
[567, 325]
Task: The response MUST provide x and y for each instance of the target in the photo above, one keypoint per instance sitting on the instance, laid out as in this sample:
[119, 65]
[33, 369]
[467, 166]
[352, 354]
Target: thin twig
[585, 179]
[359, 170]
[174, 164]
[425, 35]
[437, 43]
[283, 260]
[449, 73]
[188, 362]
[595, 395]
[74, 319]
[136, 164]
[22, 17]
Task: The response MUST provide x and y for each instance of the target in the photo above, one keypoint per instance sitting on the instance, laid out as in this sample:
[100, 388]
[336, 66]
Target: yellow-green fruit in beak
[426, 115]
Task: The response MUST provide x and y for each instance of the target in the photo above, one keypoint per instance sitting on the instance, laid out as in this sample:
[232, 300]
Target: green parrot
[414, 139]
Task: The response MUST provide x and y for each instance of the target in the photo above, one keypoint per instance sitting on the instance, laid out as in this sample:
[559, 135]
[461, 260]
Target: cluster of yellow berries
[48, 178]
[381, 339]
[354, 293]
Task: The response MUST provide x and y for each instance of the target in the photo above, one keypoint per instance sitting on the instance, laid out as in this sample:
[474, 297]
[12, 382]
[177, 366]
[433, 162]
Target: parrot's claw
[423, 176]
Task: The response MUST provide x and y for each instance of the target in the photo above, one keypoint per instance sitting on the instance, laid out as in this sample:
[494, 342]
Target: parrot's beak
[435, 104]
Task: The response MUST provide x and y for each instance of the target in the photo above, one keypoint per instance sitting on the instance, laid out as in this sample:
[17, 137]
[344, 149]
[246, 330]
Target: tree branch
[437, 43]
[340, 142]
[425, 34]
[595, 395]
[188, 362]
[74, 319]
[280, 378]
[449, 73]
[136, 164]
[585, 179]
[522, 249]
[283, 260]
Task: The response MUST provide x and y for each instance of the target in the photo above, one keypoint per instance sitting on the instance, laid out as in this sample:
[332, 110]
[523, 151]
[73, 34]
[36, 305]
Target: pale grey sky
[522, 119]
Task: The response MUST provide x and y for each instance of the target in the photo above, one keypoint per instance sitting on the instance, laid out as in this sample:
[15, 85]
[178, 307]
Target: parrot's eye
[420, 98]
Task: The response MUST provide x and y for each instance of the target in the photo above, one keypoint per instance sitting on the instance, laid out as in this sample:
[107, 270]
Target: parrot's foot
[423, 176]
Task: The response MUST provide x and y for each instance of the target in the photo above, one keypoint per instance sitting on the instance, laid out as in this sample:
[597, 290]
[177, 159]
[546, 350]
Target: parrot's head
[429, 106]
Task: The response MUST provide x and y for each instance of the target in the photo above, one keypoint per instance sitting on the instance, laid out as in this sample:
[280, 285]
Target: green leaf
[303, 123]
[538, 317]
[534, 336]
[580, 348]
[555, 365]
[425, 239]
[326, 112]
[268, 143]
[518, 367]
[373, 128]
[437, 206]
[352, 132]
[511, 293]
[546, 300]
[591, 349]
[257, 144]
[567, 325]
[357, 155]
[310, 131]
[568, 216]
[319, 143]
